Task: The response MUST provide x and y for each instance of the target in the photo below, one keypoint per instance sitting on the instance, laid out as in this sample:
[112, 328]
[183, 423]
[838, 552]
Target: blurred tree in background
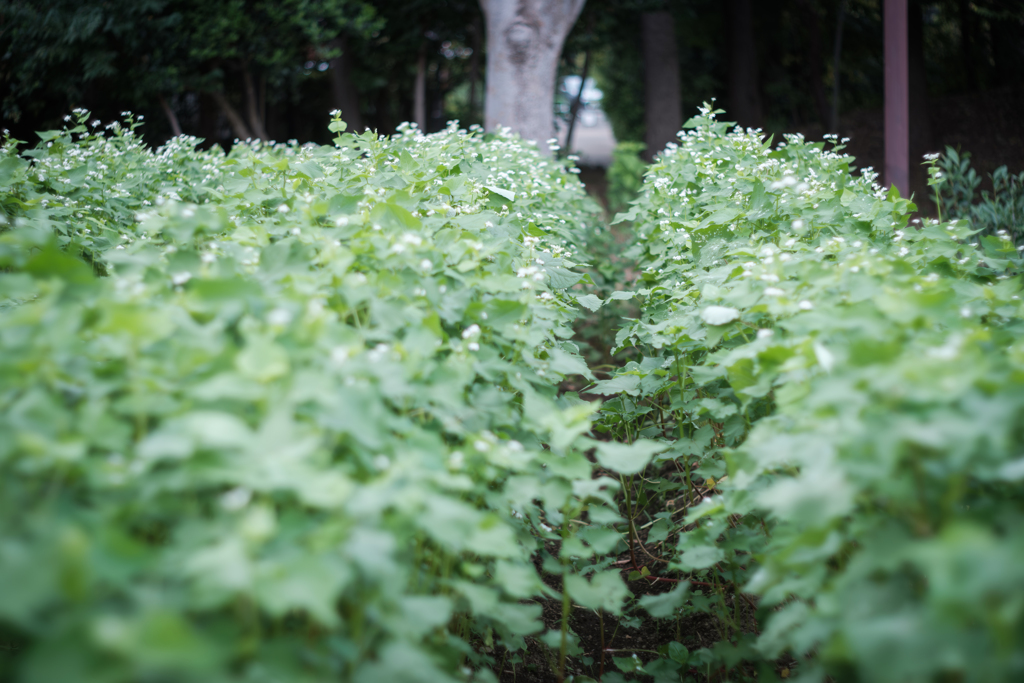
[222, 69]
[964, 47]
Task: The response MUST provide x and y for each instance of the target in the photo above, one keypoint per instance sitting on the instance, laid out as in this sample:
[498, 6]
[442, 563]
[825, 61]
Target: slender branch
[235, 119]
[575, 108]
[172, 118]
[252, 104]
[835, 66]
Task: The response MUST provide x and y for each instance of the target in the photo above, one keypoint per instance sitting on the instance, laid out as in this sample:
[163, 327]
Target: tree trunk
[343, 92]
[474, 63]
[897, 95]
[419, 91]
[208, 125]
[574, 109]
[262, 108]
[744, 89]
[172, 118]
[967, 34]
[662, 97]
[235, 119]
[524, 42]
[920, 124]
[252, 105]
[836, 56]
[814, 60]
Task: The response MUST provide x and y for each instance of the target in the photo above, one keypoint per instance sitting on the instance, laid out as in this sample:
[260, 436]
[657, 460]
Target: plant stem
[566, 601]
[629, 514]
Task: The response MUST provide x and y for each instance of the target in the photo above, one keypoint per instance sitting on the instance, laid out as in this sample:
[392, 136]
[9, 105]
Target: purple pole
[897, 97]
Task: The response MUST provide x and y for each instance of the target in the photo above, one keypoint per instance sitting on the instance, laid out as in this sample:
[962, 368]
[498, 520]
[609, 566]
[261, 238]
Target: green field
[303, 413]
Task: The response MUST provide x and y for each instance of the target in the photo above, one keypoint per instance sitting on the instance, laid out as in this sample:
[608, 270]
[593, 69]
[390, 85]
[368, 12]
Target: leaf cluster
[839, 391]
[287, 413]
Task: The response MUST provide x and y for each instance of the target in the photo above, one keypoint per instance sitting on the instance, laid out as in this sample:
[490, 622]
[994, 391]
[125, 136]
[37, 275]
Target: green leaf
[664, 605]
[507, 194]
[627, 458]
[561, 278]
[629, 384]
[262, 360]
[699, 557]
[392, 215]
[589, 301]
[518, 619]
[567, 364]
[9, 166]
[629, 665]
[52, 262]
[678, 652]
[719, 315]
[605, 590]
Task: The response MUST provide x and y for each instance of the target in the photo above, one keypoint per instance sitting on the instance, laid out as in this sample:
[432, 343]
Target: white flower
[805, 305]
[825, 358]
[235, 499]
[471, 331]
[773, 291]
[181, 278]
[965, 312]
[719, 315]
[426, 264]
[473, 346]
[279, 317]
[764, 333]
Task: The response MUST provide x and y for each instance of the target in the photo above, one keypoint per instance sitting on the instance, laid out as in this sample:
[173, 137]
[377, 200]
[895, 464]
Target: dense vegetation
[299, 413]
[851, 383]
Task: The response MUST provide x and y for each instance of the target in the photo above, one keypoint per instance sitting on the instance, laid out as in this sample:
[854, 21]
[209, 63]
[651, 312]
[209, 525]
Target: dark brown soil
[620, 639]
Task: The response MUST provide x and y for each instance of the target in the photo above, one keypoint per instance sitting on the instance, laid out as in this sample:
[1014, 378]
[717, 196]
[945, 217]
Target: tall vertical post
[897, 96]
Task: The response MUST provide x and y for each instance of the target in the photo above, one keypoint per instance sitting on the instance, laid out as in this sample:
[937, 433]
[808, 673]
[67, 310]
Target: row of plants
[300, 413]
[839, 389]
[291, 412]
[999, 211]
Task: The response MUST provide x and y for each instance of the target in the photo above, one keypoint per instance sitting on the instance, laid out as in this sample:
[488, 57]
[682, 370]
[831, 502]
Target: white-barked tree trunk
[524, 42]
